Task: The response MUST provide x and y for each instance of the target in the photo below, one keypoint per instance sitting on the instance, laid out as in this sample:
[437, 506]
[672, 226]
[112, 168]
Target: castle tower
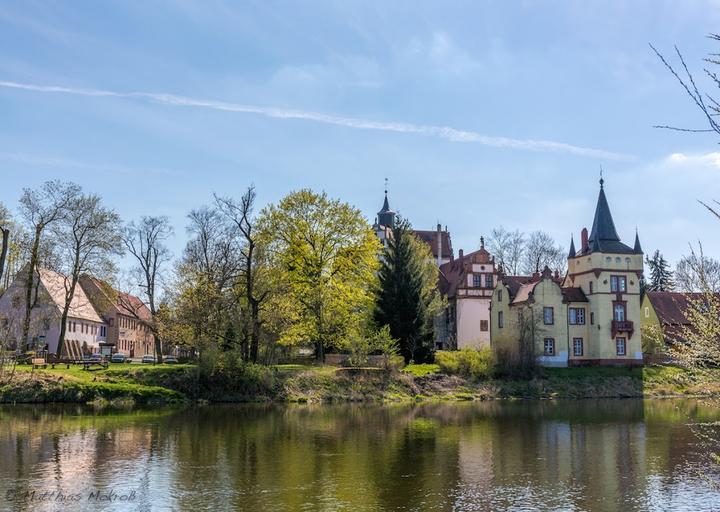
[608, 272]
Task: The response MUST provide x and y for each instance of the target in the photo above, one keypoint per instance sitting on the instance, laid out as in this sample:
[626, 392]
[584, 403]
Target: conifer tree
[661, 277]
[407, 298]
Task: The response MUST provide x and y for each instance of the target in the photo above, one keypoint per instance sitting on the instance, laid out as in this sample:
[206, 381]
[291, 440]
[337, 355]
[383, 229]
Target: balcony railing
[619, 326]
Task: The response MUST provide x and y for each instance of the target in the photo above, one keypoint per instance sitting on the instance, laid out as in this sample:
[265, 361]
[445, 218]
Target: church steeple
[572, 253]
[386, 217]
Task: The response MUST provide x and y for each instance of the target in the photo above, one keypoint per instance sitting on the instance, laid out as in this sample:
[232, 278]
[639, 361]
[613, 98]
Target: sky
[479, 114]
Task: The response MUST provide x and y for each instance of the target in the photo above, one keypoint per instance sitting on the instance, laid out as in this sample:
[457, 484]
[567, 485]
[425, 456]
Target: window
[477, 280]
[500, 295]
[500, 320]
[483, 325]
[548, 316]
[618, 284]
[592, 318]
[591, 287]
[549, 347]
[620, 345]
[488, 281]
[577, 316]
[647, 312]
[577, 346]
[619, 312]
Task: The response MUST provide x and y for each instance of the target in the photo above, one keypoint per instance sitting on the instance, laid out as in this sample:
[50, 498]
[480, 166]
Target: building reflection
[561, 455]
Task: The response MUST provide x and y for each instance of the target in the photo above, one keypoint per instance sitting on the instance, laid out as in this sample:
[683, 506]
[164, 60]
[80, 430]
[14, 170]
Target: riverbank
[316, 384]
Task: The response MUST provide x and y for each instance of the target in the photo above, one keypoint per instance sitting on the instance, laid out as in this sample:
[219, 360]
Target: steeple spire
[603, 228]
[571, 254]
[386, 217]
[637, 247]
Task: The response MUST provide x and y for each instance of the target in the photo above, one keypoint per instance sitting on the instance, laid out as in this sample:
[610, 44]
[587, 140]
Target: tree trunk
[63, 323]
[29, 287]
[4, 251]
[255, 334]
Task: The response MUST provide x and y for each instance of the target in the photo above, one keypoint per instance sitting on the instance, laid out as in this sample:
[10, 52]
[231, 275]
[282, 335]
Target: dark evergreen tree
[661, 277]
[407, 293]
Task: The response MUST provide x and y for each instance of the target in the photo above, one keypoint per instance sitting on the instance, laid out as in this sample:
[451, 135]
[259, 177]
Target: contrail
[442, 132]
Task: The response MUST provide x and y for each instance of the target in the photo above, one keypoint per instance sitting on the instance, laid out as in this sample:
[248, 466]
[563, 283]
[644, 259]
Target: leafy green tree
[323, 256]
[661, 277]
[407, 298]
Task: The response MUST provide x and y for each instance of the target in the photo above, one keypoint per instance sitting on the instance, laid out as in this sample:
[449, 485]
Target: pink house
[86, 332]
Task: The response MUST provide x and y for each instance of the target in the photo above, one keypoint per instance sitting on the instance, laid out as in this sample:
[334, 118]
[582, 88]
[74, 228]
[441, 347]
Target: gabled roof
[453, 273]
[430, 237]
[514, 283]
[108, 298]
[671, 306]
[80, 305]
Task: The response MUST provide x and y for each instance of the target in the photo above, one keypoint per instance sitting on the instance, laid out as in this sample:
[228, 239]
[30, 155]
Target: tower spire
[637, 247]
[603, 228]
[571, 253]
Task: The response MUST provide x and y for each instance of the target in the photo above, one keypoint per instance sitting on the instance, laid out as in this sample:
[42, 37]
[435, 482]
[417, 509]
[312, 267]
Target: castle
[591, 315]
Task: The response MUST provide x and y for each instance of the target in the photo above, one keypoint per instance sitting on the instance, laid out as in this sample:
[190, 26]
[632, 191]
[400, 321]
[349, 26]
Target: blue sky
[480, 114]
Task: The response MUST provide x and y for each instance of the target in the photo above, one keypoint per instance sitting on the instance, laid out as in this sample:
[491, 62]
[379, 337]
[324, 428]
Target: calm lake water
[581, 455]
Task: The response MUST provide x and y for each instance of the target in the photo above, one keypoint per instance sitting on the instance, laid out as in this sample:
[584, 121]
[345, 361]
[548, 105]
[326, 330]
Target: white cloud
[711, 160]
[441, 132]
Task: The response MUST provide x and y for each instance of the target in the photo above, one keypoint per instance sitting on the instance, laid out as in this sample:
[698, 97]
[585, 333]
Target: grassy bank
[299, 383]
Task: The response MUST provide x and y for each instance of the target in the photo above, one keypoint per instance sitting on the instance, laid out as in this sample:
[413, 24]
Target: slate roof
[603, 235]
[430, 237]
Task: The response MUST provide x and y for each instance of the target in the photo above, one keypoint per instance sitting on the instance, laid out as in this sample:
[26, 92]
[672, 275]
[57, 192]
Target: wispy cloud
[442, 132]
[71, 163]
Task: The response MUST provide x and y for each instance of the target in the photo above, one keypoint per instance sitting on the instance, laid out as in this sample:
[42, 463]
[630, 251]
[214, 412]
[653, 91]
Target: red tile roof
[431, 237]
[670, 306]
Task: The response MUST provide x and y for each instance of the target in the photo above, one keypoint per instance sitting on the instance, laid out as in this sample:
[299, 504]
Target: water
[581, 455]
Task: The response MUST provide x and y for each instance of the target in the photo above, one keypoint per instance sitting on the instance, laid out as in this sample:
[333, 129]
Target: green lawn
[420, 370]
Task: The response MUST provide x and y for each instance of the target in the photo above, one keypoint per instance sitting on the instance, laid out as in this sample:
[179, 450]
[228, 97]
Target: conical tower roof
[603, 228]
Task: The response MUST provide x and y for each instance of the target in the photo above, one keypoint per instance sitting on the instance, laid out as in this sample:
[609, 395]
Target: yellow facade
[602, 281]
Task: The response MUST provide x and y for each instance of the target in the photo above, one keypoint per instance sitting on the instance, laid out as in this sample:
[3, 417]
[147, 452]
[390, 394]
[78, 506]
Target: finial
[602, 181]
[482, 242]
[386, 186]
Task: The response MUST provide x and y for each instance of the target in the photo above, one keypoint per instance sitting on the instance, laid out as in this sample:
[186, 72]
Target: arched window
[619, 312]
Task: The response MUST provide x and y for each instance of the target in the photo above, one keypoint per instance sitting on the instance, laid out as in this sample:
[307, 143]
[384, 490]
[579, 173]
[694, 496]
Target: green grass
[420, 370]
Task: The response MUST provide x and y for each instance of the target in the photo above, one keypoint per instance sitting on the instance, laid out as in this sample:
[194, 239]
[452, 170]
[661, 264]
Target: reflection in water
[583, 455]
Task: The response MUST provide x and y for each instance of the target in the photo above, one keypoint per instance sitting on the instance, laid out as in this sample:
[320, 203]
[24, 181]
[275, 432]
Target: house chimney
[439, 245]
[460, 255]
[584, 240]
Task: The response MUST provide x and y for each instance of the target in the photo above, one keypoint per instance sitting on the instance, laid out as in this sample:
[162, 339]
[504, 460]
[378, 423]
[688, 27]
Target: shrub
[516, 366]
[471, 363]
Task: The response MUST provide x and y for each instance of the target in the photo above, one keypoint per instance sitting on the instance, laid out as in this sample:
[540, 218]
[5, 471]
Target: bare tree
[87, 238]
[696, 272]
[146, 242]
[207, 276]
[706, 103]
[241, 215]
[508, 248]
[41, 208]
[541, 251]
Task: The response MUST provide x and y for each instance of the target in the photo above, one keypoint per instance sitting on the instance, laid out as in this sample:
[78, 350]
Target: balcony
[623, 326]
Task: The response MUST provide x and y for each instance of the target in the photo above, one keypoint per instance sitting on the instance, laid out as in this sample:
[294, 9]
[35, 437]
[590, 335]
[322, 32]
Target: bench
[38, 362]
[88, 364]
